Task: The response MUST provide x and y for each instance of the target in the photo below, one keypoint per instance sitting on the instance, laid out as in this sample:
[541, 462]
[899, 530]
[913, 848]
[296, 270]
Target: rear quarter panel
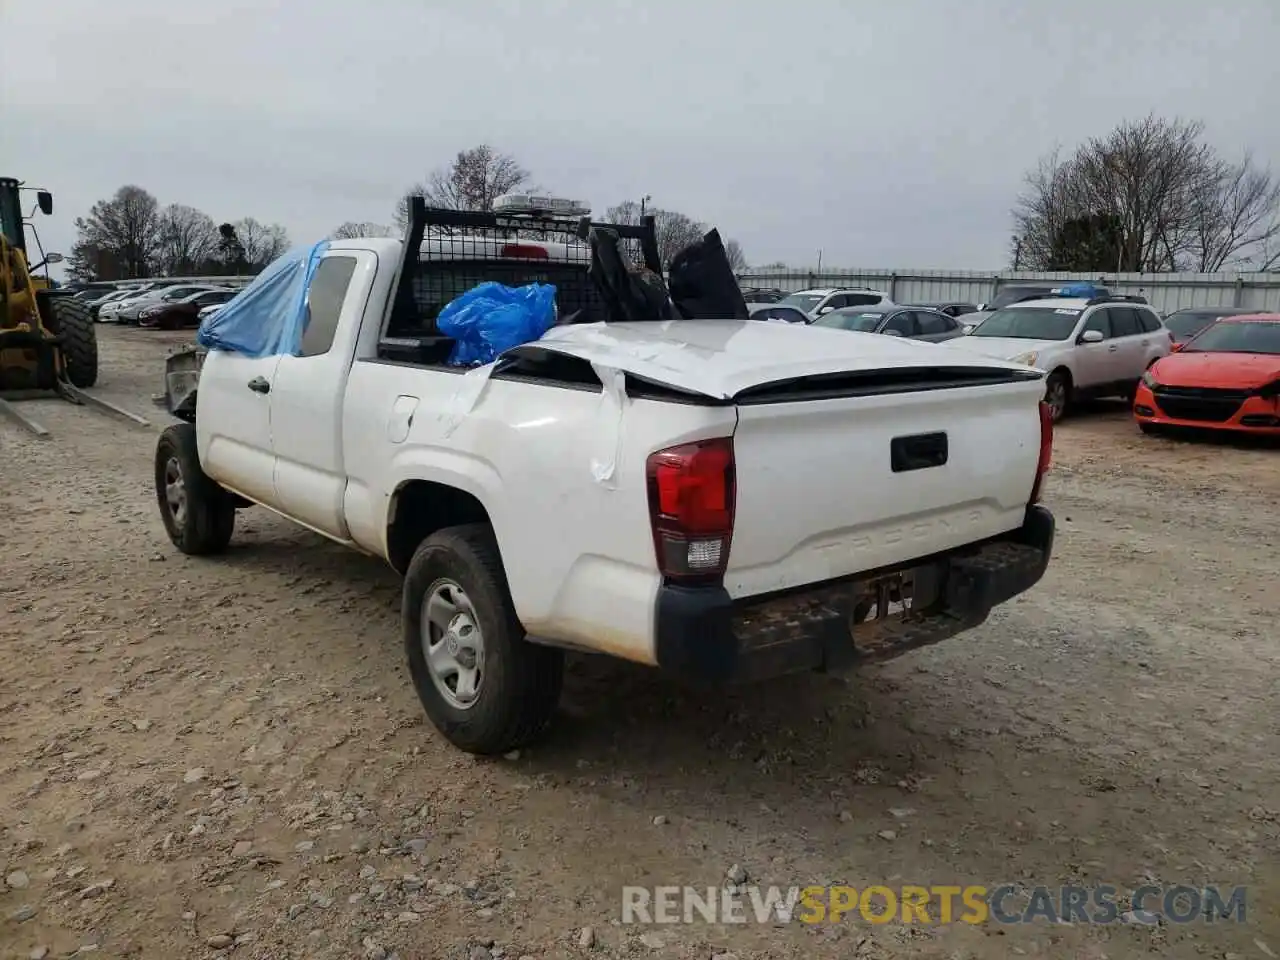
[561, 473]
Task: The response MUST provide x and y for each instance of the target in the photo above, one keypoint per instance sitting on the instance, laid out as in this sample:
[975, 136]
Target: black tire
[519, 682]
[72, 320]
[1150, 429]
[1058, 384]
[199, 516]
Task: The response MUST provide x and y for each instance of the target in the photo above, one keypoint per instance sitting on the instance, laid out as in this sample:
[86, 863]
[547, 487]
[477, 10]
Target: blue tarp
[492, 317]
[268, 316]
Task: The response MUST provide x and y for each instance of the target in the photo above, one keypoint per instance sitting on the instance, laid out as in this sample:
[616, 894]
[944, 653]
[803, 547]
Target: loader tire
[198, 514]
[72, 320]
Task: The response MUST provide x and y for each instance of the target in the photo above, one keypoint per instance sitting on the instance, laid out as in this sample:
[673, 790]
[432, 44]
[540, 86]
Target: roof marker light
[525, 203]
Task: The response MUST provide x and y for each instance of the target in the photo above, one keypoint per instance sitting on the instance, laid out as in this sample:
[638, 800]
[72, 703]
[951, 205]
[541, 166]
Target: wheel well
[421, 507]
[1065, 372]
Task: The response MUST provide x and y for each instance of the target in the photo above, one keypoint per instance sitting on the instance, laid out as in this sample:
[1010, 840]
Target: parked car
[1186, 323]
[950, 308]
[761, 295]
[114, 297]
[1226, 377]
[914, 323]
[209, 311]
[183, 312]
[682, 535]
[777, 313]
[1099, 346]
[815, 303]
[132, 310]
[1013, 293]
[109, 310]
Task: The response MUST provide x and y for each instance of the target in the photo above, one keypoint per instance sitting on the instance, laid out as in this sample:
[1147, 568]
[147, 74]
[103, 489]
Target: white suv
[1089, 347]
[817, 303]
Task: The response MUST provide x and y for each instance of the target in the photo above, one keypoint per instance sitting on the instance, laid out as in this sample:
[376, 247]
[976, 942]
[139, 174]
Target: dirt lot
[213, 758]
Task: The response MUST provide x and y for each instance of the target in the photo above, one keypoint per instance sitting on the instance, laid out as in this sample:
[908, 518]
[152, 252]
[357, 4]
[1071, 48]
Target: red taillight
[524, 251]
[1046, 449]
[691, 500]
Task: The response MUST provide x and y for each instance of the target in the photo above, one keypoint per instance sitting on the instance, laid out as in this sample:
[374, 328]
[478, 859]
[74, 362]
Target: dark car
[777, 313]
[950, 308]
[176, 314]
[916, 323]
[1185, 324]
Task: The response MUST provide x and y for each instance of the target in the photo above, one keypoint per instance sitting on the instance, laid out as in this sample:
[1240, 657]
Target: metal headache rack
[447, 252]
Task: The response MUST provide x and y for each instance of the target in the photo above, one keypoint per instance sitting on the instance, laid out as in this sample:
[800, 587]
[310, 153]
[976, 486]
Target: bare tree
[474, 179]
[261, 242]
[354, 231]
[737, 259]
[1149, 196]
[122, 233]
[188, 239]
[674, 230]
[1235, 213]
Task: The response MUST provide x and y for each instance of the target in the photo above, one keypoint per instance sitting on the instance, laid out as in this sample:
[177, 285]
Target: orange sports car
[1226, 377]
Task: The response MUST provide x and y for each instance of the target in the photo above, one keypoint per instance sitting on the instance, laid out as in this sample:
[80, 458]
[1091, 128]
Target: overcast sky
[884, 134]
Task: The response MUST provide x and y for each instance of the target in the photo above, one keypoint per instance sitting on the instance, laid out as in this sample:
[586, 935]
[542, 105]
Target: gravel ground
[226, 757]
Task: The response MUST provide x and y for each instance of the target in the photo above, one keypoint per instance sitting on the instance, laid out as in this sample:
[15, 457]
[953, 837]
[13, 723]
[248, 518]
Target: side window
[1125, 322]
[904, 323]
[860, 299]
[1148, 320]
[1099, 320]
[324, 303]
[933, 323]
[836, 301]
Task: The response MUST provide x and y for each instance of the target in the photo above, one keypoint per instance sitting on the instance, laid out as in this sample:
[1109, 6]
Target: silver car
[914, 323]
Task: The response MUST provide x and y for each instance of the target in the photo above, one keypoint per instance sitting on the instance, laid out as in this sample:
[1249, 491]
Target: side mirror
[1175, 347]
[822, 312]
[1092, 336]
[44, 200]
[892, 333]
[54, 258]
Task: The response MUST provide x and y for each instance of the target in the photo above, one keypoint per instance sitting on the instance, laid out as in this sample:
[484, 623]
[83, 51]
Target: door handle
[1112, 349]
[259, 385]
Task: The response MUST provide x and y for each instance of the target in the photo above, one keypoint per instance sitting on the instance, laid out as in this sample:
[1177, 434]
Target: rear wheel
[484, 686]
[198, 515]
[72, 320]
[1057, 393]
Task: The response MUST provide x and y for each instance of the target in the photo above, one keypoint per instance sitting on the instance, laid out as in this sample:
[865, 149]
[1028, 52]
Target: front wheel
[198, 515]
[483, 685]
[1057, 393]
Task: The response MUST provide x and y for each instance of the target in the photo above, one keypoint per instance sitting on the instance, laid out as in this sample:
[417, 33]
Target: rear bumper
[705, 636]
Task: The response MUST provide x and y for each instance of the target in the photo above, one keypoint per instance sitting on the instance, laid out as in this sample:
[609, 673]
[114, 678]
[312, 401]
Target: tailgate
[821, 492]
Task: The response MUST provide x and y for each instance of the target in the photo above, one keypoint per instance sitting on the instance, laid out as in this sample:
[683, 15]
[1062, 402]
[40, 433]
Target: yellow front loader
[48, 344]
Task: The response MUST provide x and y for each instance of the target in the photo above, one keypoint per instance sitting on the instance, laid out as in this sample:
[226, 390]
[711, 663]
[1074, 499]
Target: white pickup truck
[726, 500]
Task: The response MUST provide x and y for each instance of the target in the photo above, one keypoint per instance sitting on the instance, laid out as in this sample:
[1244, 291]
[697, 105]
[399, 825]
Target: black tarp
[702, 284]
